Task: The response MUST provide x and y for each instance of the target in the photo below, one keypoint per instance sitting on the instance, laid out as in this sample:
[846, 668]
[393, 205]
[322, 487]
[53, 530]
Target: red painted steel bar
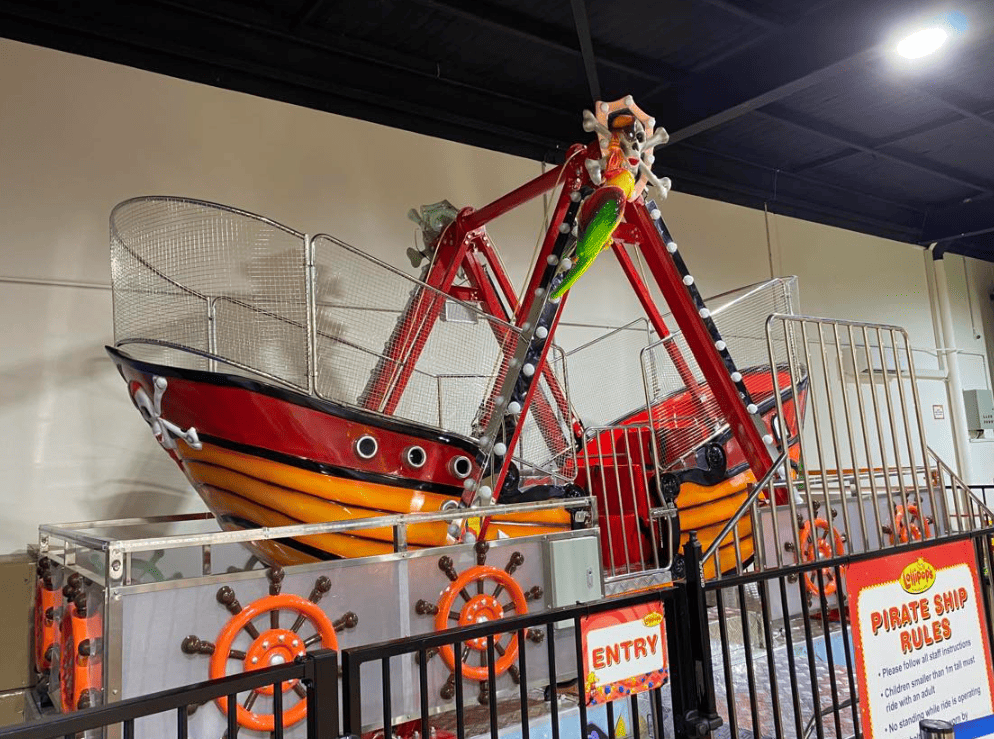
[418, 321]
[491, 302]
[523, 194]
[483, 245]
[655, 317]
[699, 340]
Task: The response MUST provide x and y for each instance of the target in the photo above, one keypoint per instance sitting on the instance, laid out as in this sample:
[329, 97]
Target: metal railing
[62, 542]
[776, 671]
[535, 627]
[787, 666]
[621, 468]
[317, 671]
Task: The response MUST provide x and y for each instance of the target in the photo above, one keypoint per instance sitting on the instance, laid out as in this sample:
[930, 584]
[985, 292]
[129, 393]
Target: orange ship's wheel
[274, 646]
[910, 525]
[480, 608]
[827, 541]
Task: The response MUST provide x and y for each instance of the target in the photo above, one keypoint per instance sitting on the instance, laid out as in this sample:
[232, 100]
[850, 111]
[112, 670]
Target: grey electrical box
[979, 410]
[575, 572]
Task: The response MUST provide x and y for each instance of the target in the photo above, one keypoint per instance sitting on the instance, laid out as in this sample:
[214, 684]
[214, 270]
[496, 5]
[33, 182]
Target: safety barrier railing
[553, 673]
[317, 671]
[785, 665]
[620, 467]
[753, 649]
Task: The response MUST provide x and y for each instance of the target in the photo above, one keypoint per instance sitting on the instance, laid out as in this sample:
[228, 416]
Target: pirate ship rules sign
[920, 638]
[624, 652]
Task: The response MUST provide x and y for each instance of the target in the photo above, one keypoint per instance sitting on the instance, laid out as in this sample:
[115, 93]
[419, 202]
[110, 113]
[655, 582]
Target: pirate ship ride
[383, 435]
[295, 379]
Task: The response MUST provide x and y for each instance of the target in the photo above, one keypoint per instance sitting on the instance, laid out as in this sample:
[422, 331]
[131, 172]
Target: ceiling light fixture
[922, 43]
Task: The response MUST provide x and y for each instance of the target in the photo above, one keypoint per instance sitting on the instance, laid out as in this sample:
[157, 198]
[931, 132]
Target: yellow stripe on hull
[726, 557]
[340, 545]
[706, 510]
[513, 531]
[275, 494]
[308, 508]
[369, 495]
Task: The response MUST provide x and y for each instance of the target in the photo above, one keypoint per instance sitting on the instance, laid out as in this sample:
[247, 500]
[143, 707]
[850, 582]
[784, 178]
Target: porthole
[461, 467]
[415, 457]
[366, 446]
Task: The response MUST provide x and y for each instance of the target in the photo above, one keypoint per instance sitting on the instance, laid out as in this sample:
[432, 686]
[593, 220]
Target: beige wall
[78, 135]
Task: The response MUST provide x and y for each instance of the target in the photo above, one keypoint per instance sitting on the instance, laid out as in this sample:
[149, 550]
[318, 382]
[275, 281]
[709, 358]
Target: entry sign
[624, 652]
[921, 641]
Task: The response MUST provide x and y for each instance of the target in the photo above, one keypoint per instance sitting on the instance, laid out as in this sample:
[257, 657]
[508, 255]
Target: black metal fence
[787, 665]
[317, 671]
[784, 666]
[536, 627]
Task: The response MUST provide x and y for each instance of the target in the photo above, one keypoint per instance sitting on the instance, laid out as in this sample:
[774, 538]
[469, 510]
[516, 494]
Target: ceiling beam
[918, 210]
[856, 141]
[824, 43]
[306, 13]
[698, 171]
[964, 220]
[518, 26]
[754, 17]
[214, 54]
[885, 142]
[586, 47]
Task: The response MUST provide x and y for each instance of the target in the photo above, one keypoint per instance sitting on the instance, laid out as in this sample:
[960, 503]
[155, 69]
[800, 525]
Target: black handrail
[537, 626]
[318, 671]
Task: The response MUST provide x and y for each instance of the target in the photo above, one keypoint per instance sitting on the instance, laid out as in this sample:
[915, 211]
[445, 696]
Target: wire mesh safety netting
[545, 446]
[606, 376]
[196, 283]
[392, 344]
[682, 407]
[207, 287]
[384, 342]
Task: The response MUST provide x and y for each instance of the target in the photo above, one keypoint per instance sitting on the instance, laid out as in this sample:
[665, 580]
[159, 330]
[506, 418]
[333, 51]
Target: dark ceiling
[798, 106]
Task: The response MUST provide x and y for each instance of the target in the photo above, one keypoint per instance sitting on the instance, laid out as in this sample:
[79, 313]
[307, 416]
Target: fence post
[691, 671]
[351, 697]
[322, 695]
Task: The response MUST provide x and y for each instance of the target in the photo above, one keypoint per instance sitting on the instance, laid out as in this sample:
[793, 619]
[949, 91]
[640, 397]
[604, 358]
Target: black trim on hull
[245, 524]
[346, 473]
[321, 405]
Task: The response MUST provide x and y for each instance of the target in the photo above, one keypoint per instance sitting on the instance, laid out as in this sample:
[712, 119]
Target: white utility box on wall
[979, 410]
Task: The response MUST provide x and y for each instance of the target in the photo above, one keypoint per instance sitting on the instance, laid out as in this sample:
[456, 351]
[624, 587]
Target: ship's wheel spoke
[236, 654]
[250, 700]
[274, 618]
[465, 654]
[497, 591]
[311, 640]
[508, 607]
[453, 615]
[300, 691]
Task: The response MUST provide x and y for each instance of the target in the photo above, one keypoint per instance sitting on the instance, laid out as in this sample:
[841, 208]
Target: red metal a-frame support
[465, 245]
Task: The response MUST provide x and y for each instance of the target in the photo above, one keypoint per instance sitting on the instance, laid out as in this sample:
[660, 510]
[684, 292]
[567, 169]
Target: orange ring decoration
[75, 675]
[480, 608]
[825, 551]
[268, 653]
[910, 531]
[46, 629]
